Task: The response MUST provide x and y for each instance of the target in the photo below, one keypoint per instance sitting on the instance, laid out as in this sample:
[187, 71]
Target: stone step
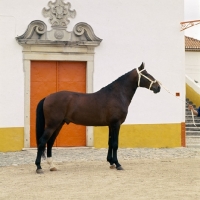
[192, 125]
[193, 130]
[193, 141]
[187, 104]
[191, 120]
[188, 145]
[190, 115]
[192, 133]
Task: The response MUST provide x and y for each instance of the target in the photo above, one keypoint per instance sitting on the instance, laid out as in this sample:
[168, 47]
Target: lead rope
[179, 100]
[140, 74]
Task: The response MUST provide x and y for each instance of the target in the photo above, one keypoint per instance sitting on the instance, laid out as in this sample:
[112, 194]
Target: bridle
[139, 77]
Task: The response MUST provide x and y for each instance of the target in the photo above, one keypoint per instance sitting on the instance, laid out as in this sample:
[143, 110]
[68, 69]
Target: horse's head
[146, 80]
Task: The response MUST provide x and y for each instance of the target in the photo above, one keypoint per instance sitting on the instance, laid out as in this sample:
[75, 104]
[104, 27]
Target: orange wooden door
[48, 77]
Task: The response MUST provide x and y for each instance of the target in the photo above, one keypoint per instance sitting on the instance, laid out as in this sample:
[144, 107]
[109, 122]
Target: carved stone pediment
[58, 14]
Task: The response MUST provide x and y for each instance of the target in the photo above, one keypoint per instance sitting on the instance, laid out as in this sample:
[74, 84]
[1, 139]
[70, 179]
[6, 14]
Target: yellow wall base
[143, 135]
[131, 136]
[11, 139]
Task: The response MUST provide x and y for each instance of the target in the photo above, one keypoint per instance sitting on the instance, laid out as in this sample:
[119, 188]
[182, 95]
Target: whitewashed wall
[133, 31]
[192, 64]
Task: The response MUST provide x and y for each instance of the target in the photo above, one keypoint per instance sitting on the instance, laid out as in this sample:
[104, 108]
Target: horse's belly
[88, 120]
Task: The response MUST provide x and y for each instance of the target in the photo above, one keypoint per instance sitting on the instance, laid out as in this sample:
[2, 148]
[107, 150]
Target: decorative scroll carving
[59, 12]
[35, 30]
[85, 29]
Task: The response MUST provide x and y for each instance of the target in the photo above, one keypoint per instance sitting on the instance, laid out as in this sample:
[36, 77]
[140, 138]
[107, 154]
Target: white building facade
[118, 36]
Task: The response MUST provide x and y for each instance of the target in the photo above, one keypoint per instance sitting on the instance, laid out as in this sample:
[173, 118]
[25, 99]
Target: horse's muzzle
[156, 89]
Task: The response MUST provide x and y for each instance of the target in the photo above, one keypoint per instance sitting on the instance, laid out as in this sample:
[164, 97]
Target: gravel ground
[91, 154]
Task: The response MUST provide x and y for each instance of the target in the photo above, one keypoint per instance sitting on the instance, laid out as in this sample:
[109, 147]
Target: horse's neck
[125, 89]
[129, 93]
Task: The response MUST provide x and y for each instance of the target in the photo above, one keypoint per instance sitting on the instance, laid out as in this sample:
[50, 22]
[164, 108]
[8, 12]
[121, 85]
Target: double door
[51, 76]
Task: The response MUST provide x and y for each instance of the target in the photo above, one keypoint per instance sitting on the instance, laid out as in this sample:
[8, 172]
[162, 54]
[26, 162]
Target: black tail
[40, 121]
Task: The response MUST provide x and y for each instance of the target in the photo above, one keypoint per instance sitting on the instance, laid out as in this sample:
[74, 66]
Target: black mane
[119, 81]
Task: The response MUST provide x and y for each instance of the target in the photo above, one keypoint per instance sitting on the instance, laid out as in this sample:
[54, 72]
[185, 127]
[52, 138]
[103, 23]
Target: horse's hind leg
[41, 147]
[49, 148]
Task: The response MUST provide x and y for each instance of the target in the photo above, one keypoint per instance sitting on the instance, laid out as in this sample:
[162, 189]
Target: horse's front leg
[110, 149]
[116, 128]
[114, 132]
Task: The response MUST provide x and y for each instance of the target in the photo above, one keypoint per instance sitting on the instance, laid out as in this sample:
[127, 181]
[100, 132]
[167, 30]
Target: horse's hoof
[119, 168]
[112, 167]
[53, 169]
[39, 171]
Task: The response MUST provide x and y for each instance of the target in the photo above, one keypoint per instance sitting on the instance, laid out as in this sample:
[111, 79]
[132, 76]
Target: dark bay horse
[106, 107]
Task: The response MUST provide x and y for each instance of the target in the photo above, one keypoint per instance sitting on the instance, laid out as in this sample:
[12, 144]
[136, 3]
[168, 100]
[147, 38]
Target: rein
[140, 74]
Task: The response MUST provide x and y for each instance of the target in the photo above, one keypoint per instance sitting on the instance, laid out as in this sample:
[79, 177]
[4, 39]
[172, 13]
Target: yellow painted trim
[192, 95]
[11, 139]
[142, 135]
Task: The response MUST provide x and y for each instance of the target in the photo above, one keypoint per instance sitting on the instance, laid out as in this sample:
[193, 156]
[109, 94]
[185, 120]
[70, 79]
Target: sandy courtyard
[142, 179]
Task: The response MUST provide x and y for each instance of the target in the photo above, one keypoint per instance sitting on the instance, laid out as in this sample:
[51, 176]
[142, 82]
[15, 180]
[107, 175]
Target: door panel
[43, 82]
[72, 77]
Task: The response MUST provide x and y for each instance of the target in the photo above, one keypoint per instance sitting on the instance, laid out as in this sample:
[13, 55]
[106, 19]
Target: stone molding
[37, 33]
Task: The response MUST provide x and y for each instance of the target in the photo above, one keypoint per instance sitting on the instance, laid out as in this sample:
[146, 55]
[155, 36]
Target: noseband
[139, 77]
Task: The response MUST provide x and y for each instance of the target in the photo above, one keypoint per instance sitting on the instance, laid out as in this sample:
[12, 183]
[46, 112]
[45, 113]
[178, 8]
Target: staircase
[192, 132]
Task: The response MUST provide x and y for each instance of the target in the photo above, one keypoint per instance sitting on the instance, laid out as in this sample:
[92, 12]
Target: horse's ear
[141, 66]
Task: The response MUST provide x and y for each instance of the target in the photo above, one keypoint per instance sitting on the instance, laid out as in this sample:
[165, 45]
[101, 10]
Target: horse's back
[93, 109]
[79, 108]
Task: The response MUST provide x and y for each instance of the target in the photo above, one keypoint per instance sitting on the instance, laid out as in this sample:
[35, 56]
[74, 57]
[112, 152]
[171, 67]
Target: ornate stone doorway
[58, 44]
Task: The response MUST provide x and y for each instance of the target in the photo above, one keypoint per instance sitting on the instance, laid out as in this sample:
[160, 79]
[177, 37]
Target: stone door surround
[57, 44]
